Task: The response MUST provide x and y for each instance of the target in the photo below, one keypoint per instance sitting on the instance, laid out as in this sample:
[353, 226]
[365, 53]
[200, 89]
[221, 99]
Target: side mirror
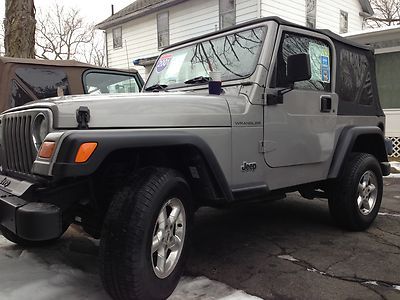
[298, 67]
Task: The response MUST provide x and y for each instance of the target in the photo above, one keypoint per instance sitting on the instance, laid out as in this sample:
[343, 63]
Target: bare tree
[94, 52]
[19, 28]
[387, 13]
[2, 50]
[61, 33]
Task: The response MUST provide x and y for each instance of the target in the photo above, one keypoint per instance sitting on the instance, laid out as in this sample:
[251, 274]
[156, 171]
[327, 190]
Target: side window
[117, 37]
[344, 22]
[108, 83]
[320, 58]
[163, 29]
[18, 95]
[227, 13]
[44, 82]
[354, 82]
[311, 13]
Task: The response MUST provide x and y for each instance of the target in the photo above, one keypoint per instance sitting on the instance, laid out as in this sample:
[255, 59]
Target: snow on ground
[68, 270]
[395, 165]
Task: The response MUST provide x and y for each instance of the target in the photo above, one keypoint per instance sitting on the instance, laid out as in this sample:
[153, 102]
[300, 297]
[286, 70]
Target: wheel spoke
[176, 245]
[371, 203]
[162, 218]
[174, 215]
[161, 259]
[372, 188]
[367, 204]
[360, 189]
[156, 242]
[366, 179]
[359, 201]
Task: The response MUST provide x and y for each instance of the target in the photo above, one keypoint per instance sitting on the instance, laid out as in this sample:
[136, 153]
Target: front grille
[17, 149]
[17, 143]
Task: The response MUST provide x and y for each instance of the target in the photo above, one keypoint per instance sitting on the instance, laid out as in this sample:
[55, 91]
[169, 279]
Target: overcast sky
[93, 10]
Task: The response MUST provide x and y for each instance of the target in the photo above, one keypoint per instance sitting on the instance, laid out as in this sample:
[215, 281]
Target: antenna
[127, 56]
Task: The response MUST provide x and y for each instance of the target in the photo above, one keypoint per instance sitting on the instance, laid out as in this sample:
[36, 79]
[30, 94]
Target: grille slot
[18, 148]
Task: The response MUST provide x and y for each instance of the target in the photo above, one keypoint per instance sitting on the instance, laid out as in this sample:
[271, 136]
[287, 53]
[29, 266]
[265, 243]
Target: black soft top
[280, 21]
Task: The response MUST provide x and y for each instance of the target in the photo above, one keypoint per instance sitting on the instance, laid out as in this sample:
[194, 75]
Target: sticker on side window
[320, 62]
[325, 70]
[163, 62]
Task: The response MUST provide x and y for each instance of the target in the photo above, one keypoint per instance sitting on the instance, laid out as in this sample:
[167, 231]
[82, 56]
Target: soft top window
[356, 81]
[43, 82]
[354, 78]
[18, 95]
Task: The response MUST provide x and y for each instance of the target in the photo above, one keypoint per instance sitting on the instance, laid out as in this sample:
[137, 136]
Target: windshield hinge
[83, 117]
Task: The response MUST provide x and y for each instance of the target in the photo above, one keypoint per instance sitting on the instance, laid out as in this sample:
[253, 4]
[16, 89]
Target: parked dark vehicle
[26, 80]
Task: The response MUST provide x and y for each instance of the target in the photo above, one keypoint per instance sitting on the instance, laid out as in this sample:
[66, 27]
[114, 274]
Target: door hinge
[261, 147]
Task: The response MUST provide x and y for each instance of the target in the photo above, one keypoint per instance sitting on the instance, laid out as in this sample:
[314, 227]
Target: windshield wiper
[156, 87]
[199, 79]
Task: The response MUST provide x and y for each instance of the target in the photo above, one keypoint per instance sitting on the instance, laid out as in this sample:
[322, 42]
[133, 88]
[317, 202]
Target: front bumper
[33, 221]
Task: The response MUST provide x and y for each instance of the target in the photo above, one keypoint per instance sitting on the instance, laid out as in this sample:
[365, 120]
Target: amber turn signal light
[47, 149]
[84, 152]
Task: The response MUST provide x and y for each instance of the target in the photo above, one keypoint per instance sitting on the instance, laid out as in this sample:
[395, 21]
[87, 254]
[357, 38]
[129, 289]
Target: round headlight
[40, 130]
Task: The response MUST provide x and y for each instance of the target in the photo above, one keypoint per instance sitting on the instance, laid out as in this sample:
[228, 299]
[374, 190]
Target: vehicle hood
[166, 109]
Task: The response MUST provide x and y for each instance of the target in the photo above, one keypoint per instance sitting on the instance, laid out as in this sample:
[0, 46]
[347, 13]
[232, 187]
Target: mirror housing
[298, 68]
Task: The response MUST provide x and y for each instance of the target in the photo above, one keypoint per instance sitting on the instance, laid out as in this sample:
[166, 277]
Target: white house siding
[290, 10]
[186, 20]
[139, 39]
[328, 12]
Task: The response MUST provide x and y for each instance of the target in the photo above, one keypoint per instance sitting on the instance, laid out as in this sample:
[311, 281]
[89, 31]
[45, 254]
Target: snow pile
[396, 167]
[68, 270]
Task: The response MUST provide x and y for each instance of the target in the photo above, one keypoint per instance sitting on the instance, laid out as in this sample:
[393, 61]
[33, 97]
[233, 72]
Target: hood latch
[83, 117]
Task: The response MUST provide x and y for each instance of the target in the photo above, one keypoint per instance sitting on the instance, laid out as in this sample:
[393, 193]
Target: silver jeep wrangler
[298, 110]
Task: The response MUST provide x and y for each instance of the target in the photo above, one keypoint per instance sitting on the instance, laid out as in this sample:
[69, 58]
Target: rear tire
[355, 198]
[144, 222]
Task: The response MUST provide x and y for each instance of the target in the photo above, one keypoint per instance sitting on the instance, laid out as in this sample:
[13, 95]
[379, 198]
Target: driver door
[301, 130]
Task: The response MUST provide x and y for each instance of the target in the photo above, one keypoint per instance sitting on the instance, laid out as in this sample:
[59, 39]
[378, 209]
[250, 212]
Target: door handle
[326, 104]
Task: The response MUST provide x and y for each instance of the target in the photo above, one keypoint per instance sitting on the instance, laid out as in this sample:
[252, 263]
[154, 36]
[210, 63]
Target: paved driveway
[290, 249]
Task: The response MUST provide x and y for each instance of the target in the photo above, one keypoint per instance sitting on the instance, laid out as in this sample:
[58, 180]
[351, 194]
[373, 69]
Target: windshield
[234, 55]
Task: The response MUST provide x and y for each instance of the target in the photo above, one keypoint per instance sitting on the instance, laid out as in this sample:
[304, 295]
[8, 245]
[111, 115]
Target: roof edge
[366, 6]
[104, 25]
[280, 21]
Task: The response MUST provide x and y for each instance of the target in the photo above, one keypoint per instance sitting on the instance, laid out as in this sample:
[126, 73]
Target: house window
[344, 21]
[163, 29]
[117, 37]
[311, 13]
[227, 13]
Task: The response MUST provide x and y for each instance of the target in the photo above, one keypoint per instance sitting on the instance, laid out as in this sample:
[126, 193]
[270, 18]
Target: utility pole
[19, 29]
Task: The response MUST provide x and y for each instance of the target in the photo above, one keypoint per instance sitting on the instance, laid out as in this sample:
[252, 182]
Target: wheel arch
[185, 152]
[367, 139]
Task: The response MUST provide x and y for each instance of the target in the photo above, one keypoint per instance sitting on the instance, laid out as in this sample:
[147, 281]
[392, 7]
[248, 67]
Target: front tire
[355, 198]
[145, 237]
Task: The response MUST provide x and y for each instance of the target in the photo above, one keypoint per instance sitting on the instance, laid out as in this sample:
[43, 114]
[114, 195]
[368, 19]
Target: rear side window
[44, 82]
[107, 83]
[354, 82]
[18, 95]
[320, 58]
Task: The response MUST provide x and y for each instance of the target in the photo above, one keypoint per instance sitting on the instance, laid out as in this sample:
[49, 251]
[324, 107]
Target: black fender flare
[347, 142]
[112, 140]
